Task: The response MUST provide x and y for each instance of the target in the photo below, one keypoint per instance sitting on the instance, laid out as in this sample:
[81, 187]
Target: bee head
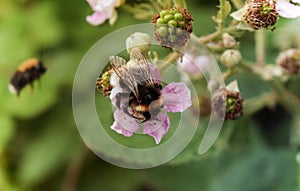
[148, 94]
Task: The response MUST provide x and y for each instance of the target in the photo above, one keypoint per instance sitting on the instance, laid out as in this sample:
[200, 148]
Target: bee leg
[147, 116]
[31, 87]
[122, 100]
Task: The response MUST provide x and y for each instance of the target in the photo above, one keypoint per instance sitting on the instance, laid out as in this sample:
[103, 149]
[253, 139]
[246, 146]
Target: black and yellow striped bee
[27, 72]
[141, 94]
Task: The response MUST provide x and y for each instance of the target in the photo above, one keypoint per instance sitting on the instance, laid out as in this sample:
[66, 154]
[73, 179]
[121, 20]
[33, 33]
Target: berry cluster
[228, 104]
[289, 60]
[173, 27]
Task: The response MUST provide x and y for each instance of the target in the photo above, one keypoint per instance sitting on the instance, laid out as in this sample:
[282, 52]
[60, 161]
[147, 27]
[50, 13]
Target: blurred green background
[41, 149]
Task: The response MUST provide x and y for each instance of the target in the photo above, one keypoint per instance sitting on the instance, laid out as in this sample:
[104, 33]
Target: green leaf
[51, 150]
[259, 170]
[6, 133]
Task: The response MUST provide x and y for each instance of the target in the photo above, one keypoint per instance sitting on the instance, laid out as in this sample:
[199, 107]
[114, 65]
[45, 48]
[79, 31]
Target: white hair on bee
[12, 89]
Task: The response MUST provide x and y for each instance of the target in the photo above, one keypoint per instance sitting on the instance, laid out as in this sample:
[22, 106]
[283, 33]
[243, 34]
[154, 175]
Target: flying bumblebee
[141, 94]
[27, 72]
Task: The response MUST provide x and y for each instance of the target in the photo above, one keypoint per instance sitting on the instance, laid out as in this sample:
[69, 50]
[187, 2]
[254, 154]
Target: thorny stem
[260, 47]
[172, 57]
[238, 4]
[220, 28]
[285, 98]
[223, 11]
[229, 72]
[255, 104]
[179, 3]
[74, 170]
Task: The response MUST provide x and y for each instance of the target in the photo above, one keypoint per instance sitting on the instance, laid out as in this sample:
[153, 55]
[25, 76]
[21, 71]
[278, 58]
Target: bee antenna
[42, 52]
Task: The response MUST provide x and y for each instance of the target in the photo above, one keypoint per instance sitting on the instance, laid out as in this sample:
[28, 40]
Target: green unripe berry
[179, 31]
[178, 16]
[163, 13]
[181, 24]
[171, 30]
[168, 17]
[174, 11]
[172, 23]
[173, 38]
[163, 31]
[160, 21]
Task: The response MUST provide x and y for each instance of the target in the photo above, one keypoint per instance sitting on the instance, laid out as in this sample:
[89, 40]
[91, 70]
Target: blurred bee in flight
[28, 71]
[140, 97]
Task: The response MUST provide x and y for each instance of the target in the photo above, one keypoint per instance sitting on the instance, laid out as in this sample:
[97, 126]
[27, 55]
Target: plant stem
[255, 104]
[222, 13]
[238, 4]
[221, 27]
[285, 98]
[179, 3]
[74, 170]
[260, 47]
[172, 57]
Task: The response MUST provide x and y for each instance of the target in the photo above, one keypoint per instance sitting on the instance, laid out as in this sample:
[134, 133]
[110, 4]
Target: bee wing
[119, 66]
[144, 71]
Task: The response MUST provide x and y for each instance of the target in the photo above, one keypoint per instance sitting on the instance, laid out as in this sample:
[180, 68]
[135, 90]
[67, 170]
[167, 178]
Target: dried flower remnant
[263, 14]
[260, 14]
[103, 83]
[173, 27]
[289, 60]
[228, 102]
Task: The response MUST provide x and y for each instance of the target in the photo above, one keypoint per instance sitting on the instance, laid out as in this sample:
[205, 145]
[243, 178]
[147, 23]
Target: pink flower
[103, 10]
[194, 65]
[176, 98]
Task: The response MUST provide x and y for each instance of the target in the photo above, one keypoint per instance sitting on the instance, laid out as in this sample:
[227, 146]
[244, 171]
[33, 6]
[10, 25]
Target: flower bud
[173, 27]
[103, 84]
[229, 41]
[138, 40]
[227, 102]
[289, 60]
[230, 57]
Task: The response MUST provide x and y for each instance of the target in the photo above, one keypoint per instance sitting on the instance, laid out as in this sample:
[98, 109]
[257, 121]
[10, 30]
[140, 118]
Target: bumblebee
[141, 94]
[27, 72]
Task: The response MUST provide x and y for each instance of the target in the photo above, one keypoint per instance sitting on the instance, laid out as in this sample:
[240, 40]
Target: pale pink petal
[238, 15]
[125, 121]
[113, 17]
[119, 129]
[155, 73]
[92, 3]
[194, 65]
[296, 1]
[96, 18]
[176, 97]
[157, 127]
[287, 9]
